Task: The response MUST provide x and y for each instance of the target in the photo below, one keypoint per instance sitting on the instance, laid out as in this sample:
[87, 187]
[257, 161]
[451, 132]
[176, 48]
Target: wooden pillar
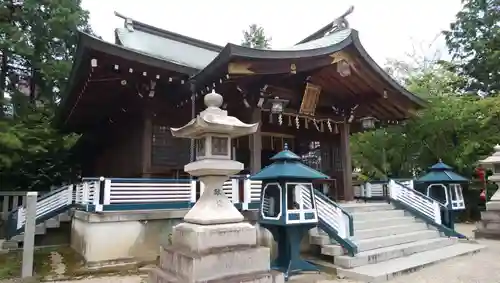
[256, 144]
[345, 152]
[147, 134]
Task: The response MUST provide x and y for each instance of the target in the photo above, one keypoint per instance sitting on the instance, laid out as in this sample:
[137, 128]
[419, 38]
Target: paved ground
[483, 267]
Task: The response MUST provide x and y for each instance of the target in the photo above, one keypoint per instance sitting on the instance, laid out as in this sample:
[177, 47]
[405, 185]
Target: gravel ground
[483, 267]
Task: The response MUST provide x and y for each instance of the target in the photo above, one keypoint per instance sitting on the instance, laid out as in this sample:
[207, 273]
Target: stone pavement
[483, 267]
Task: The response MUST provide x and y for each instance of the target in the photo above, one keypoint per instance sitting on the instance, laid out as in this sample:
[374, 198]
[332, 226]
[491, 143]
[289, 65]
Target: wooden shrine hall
[124, 97]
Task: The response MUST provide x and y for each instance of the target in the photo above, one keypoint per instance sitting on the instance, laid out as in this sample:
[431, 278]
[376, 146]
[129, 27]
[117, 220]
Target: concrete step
[381, 242]
[392, 240]
[53, 223]
[379, 214]
[389, 230]
[40, 229]
[366, 207]
[320, 239]
[64, 217]
[392, 252]
[384, 271]
[383, 222]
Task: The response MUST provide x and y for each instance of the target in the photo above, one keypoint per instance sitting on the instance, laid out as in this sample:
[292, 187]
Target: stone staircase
[41, 229]
[390, 242]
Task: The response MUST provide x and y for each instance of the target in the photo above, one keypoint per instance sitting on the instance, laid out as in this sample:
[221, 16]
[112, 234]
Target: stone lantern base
[489, 226]
[215, 253]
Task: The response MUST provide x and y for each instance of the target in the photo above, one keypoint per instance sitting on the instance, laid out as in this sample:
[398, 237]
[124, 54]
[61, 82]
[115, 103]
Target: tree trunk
[3, 81]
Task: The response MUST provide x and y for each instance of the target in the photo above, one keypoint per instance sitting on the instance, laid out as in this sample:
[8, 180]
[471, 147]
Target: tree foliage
[255, 37]
[458, 129]
[474, 41]
[37, 42]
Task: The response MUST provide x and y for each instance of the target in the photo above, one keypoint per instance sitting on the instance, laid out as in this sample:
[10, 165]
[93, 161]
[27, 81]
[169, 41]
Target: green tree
[255, 37]
[37, 42]
[474, 41]
[458, 129]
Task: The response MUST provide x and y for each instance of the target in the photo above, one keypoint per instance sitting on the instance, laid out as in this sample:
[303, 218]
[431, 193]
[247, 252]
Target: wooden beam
[345, 152]
[256, 143]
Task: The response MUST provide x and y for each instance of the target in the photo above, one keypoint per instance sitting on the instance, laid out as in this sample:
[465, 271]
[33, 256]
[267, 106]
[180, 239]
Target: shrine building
[122, 99]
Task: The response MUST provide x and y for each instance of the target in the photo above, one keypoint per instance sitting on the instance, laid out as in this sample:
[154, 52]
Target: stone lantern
[489, 226]
[214, 244]
[493, 162]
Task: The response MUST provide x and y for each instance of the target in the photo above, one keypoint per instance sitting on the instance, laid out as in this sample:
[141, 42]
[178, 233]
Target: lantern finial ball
[213, 99]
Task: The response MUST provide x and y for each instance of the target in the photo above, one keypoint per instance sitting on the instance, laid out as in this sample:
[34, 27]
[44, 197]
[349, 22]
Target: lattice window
[168, 151]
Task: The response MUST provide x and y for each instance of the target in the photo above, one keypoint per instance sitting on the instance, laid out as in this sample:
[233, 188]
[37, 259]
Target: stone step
[386, 241]
[367, 207]
[385, 271]
[53, 223]
[40, 229]
[317, 238]
[375, 215]
[381, 242]
[64, 217]
[389, 230]
[392, 252]
[6, 245]
[383, 222]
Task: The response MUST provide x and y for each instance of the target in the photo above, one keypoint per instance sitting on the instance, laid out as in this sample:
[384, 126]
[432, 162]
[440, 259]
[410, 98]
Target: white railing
[253, 189]
[416, 200]
[47, 204]
[10, 201]
[329, 213]
[376, 189]
[146, 191]
[95, 193]
[86, 193]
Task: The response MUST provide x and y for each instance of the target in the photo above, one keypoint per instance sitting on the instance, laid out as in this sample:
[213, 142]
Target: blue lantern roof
[287, 165]
[442, 173]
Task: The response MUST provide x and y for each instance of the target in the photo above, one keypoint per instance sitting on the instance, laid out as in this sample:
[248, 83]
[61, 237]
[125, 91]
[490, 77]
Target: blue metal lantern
[288, 208]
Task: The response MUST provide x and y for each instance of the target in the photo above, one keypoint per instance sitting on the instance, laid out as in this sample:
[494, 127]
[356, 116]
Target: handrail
[44, 196]
[419, 193]
[329, 201]
[333, 233]
[438, 208]
[17, 219]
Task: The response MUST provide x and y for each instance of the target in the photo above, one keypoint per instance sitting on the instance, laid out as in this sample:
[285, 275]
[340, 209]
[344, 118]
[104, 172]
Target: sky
[387, 28]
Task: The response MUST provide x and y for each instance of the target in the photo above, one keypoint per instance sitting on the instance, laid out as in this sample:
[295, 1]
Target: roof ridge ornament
[341, 22]
[128, 22]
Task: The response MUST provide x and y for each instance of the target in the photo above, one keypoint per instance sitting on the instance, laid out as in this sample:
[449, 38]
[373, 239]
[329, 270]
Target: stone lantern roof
[494, 158]
[214, 120]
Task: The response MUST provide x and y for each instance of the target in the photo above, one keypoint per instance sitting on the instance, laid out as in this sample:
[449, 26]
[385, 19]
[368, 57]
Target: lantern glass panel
[200, 147]
[220, 146]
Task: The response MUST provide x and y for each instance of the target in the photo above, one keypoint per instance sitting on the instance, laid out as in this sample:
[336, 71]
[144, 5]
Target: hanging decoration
[319, 124]
[310, 99]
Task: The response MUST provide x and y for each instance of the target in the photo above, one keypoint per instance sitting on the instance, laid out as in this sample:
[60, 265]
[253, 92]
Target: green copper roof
[441, 173]
[287, 166]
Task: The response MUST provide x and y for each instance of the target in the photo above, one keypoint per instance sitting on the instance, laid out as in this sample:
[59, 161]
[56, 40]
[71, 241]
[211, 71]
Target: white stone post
[29, 235]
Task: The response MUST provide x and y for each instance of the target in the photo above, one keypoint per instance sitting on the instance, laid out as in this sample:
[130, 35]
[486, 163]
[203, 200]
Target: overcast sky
[387, 28]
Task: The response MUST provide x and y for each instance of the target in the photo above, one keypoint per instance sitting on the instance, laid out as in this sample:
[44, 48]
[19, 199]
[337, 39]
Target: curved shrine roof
[314, 54]
[206, 63]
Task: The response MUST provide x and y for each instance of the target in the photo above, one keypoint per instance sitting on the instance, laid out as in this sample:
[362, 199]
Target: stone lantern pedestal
[214, 244]
[489, 226]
